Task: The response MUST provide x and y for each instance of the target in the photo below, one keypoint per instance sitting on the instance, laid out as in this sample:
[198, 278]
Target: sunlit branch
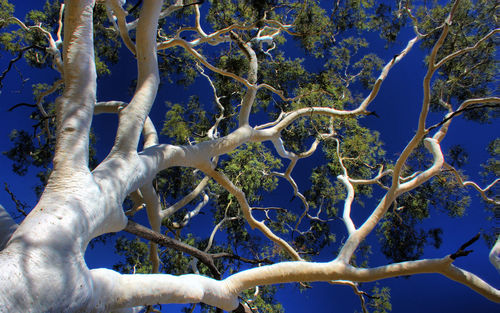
[151, 198]
[247, 212]
[468, 49]
[361, 109]
[192, 213]
[375, 180]
[184, 201]
[132, 117]
[431, 69]
[335, 270]
[346, 215]
[75, 107]
[249, 98]
[165, 13]
[433, 146]
[201, 59]
[120, 14]
[123, 291]
[467, 105]
[481, 191]
[212, 133]
[278, 144]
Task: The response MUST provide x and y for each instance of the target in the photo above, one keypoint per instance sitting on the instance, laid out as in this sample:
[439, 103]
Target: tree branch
[168, 242]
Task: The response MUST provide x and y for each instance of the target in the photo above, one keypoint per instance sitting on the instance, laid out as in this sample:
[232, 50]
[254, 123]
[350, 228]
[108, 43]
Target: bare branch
[168, 242]
[247, 212]
[132, 117]
[482, 191]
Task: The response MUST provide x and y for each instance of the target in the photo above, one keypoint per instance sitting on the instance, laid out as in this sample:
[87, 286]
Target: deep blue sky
[397, 104]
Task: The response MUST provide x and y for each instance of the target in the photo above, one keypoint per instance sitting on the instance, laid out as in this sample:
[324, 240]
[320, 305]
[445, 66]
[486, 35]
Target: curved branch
[133, 116]
[482, 191]
[120, 15]
[247, 212]
[188, 198]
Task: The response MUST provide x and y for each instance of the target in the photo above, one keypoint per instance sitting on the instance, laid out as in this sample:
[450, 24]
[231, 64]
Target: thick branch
[75, 107]
[132, 117]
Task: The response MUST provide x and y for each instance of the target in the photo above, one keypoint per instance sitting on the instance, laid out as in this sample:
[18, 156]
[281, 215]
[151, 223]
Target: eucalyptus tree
[225, 152]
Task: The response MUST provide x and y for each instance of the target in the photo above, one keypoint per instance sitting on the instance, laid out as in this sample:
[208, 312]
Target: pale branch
[361, 109]
[192, 213]
[360, 234]
[133, 116]
[344, 178]
[249, 98]
[153, 207]
[494, 255]
[116, 291]
[375, 180]
[75, 107]
[270, 124]
[278, 144]
[152, 200]
[346, 215]
[188, 198]
[120, 15]
[7, 227]
[53, 48]
[187, 46]
[482, 191]
[165, 13]
[468, 49]
[434, 148]
[212, 133]
[338, 270]
[247, 212]
[470, 107]
[431, 69]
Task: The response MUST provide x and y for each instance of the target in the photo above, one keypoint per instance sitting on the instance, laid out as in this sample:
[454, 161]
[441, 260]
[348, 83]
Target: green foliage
[265, 300]
[183, 122]
[136, 255]
[246, 166]
[380, 301]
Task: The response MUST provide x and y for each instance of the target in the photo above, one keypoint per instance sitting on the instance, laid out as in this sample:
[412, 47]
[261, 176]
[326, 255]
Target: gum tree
[229, 155]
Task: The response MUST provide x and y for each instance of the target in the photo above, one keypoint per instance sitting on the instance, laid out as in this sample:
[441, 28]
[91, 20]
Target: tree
[267, 109]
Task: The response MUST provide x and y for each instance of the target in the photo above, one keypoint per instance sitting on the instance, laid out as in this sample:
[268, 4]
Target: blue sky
[397, 105]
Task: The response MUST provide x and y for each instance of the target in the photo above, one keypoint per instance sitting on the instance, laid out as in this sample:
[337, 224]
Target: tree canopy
[250, 150]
